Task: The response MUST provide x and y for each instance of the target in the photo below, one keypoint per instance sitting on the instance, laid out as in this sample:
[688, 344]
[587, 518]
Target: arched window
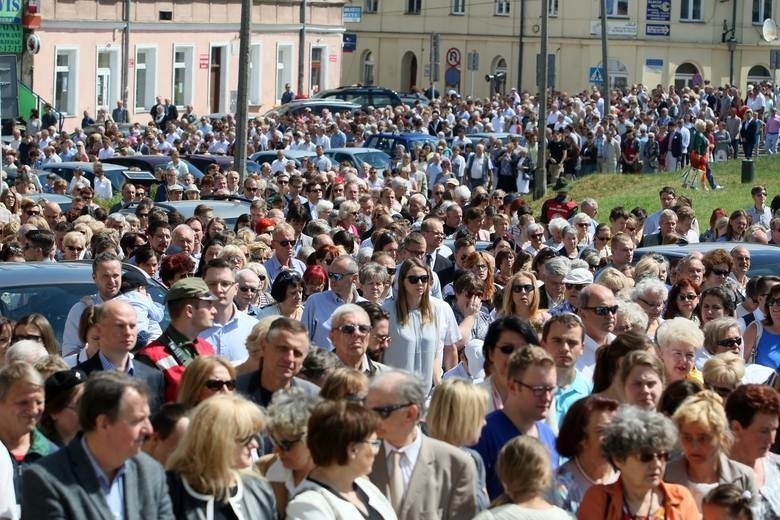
[368, 68]
[499, 69]
[686, 75]
[758, 74]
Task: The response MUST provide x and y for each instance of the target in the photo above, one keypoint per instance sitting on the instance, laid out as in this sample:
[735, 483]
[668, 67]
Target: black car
[148, 163]
[52, 289]
[117, 174]
[315, 106]
[377, 97]
[225, 162]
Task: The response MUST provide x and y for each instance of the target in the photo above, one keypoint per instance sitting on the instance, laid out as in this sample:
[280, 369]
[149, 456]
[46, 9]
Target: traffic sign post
[434, 62]
[473, 66]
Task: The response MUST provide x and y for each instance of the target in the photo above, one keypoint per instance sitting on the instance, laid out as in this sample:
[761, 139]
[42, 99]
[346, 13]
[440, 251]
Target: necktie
[396, 481]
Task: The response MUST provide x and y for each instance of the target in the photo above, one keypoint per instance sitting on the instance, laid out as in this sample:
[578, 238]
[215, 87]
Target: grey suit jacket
[63, 485]
[441, 487]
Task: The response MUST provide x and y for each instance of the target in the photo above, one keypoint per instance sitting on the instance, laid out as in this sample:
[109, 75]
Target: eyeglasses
[538, 390]
[507, 350]
[583, 224]
[391, 271]
[246, 288]
[286, 243]
[537, 235]
[687, 297]
[651, 304]
[386, 411]
[662, 456]
[284, 445]
[337, 277]
[351, 329]
[218, 384]
[603, 310]
[374, 443]
[417, 279]
[30, 213]
[577, 286]
[382, 338]
[720, 272]
[523, 288]
[74, 248]
[605, 239]
[730, 342]
[20, 337]
[471, 294]
[775, 302]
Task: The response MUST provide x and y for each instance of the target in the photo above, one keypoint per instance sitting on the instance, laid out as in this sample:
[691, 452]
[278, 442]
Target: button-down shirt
[229, 339]
[113, 490]
[273, 266]
[408, 459]
[108, 365]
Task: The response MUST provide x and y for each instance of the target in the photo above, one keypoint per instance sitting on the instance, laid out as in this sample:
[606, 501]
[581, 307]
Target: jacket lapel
[132, 505]
[379, 472]
[422, 473]
[85, 474]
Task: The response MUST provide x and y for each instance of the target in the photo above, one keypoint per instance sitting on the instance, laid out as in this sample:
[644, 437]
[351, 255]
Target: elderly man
[597, 309]
[231, 327]
[283, 258]
[283, 349]
[248, 288]
[52, 213]
[437, 255]
[668, 225]
[171, 176]
[343, 275]
[182, 240]
[419, 475]
[116, 326]
[553, 290]
[574, 282]
[102, 473]
[349, 333]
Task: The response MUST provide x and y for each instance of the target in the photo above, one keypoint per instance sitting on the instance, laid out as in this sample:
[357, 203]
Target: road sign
[596, 75]
[453, 57]
[452, 77]
[352, 13]
[473, 60]
[658, 29]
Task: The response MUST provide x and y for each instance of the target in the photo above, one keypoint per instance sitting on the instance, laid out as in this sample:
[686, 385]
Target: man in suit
[668, 223]
[437, 254]
[116, 325]
[119, 114]
[749, 134]
[102, 472]
[422, 477]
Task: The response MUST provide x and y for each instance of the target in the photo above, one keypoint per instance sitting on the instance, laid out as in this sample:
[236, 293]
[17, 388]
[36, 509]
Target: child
[148, 312]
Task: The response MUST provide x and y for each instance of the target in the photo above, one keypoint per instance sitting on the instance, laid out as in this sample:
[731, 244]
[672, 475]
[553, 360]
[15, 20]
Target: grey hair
[408, 389]
[317, 226]
[558, 266]
[652, 286]
[304, 253]
[569, 230]
[534, 227]
[557, 224]
[26, 350]
[351, 265]
[343, 310]
[461, 192]
[373, 271]
[581, 217]
[324, 205]
[364, 255]
[633, 313]
[678, 331]
[714, 330]
[347, 207]
[579, 263]
[634, 430]
[289, 411]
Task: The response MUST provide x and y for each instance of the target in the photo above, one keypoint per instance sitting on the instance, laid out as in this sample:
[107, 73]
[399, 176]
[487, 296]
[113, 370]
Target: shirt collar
[99, 473]
[411, 450]
[108, 365]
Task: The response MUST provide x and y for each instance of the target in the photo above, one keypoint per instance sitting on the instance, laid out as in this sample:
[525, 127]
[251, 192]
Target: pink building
[181, 50]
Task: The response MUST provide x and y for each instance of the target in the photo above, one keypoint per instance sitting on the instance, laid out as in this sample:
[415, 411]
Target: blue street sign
[658, 29]
[596, 75]
[659, 10]
[349, 42]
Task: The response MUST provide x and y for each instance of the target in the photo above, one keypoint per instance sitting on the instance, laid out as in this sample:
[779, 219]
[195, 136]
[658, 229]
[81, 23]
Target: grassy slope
[630, 190]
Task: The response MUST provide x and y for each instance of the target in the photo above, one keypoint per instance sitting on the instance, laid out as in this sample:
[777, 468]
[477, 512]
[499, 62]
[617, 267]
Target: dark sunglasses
[351, 329]
[246, 288]
[663, 456]
[522, 288]
[284, 445]
[385, 411]
[477, 294]
[720, 272]
[578, 286]
[730, 342]
[286, 243]
[338, 276]
[603, 310]
[417, 279]
[391, 271]
[30, 213]
[218, 384]
[20, 337]
[507, 349]
[687, 297]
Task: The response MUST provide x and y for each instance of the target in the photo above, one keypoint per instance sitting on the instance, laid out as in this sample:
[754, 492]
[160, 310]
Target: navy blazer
[63, 485]
[151, 376]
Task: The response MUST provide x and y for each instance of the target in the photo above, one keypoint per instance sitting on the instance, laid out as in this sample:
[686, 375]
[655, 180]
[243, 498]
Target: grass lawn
[631, 190]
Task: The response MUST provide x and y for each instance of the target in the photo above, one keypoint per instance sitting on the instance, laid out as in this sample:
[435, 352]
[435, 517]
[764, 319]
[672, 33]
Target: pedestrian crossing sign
[596, 75]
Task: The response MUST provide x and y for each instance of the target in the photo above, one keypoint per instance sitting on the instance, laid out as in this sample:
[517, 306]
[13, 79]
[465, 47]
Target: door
[215, 79]
[102, 88]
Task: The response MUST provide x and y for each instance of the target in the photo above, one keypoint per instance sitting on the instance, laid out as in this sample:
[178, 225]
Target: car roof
[85, 166]
[765, 258]
[356, 149]
[40, 273]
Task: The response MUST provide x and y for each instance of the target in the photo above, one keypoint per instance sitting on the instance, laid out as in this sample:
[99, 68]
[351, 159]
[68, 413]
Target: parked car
[765, 259]
[117, 174]
[355, 157]
[228, 209]
[51, 289]
[202, 161]
[388, 142]
[364, 96]
[269, 156]
[504, 137]
[63, 201]
[148, 163]
[411, 98]
[315, 106]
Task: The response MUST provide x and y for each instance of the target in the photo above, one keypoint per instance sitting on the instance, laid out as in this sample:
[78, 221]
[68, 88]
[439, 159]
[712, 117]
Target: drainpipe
[126, 54]
[521, 48]
[732, 42]
[302, 48]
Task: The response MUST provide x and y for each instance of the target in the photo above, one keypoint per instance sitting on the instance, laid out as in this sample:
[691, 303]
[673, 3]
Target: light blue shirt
[114, 490]
[273, 266]
[229, 339]
[316, 316]
[108, 365]
[70, 337]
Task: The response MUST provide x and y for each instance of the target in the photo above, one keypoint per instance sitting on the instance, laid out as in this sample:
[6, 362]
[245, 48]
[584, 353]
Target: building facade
[650, 41]
[186, 51]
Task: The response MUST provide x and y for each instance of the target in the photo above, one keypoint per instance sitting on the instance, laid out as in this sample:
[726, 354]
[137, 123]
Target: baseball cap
[578, 276]
[189, 288]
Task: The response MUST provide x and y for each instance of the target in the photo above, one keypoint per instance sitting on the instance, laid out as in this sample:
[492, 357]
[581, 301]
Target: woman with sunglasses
[37, 328]
[705, 440]
[651, 293]
[762, 337]
[291, 462]
[601, 239]
[521, 299]
[720, 335]
[210, 473]
[343, 444]
[481, 264]
[414, 331]
[637, 442]
[683, 300]
[718, 264]
[205, 377]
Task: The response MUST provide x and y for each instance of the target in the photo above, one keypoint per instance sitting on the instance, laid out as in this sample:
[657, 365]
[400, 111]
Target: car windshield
[376, 159]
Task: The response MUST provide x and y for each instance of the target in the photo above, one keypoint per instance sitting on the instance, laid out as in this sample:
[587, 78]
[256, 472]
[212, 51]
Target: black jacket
[151, 376]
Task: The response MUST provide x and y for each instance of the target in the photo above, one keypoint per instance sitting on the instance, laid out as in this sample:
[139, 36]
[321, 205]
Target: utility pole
[302, 49]
[244, 36]
[126, 57]
[540, 176]
[604, 57]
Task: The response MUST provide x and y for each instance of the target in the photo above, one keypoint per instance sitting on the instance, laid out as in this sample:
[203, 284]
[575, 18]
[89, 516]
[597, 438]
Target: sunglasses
[339, 276]
[720, 272]
[730, 342]
[473, 294]
[507, 350]
[351, 329]
[662, 456]
[74, 248]
[30, 213]
[386, 411]
[391, 271]
[523, 288]
[687, 297]
[284, 445]
[286, 243]
[578, 286]
[246, 288]
[603, 310]
[775, 302]
[20, 337]
[417, 279]
[217, 384]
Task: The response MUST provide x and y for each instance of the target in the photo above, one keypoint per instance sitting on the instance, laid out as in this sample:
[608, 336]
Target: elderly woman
[287, 291]
[206, 376]
[472, 319]
[343, 444]
[579, 439]
[521, 298]
[374, 282]
[705, 441]
[570, 248]
[762, 337]
[650, 294]
[263, 296]
[175, 267]
[73, 246]
[723, 373]
[630, 317]
[209, 473]
[253, 347]
[716, 302]
[753, 412]
[678, 341]
[718, 264]
[291, 462]
[637, 442]
[642, 378]
[234, 255]
[348, 212]
[720, 335]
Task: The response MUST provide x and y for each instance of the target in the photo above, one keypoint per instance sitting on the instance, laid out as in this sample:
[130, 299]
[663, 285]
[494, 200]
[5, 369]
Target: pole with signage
[604, 58]
[434, 63]
[540, 176]
[245, 34]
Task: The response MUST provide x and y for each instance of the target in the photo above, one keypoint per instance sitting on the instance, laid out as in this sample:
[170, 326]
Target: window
[758, 74]
[284, 62]
[145, 78]
[690, 10]
[617, 8]
[502, 8]
[552, 8]
[413, 6]
[762, 9]
[107, 78]
[686, 75]
[458, 7]
[371, 6]
[255, 73]
[368, 68]
[182, 75]
[65, 84]
[315, 70]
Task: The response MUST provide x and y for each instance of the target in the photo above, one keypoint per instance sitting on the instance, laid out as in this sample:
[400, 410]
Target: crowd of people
[413, 343]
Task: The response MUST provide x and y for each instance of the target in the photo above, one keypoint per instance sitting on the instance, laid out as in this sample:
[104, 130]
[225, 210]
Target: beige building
[183, 50]
[650, 41]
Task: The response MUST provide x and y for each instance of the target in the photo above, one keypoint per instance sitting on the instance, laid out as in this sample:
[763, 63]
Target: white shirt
[408, 458]
[8, 506]
[587, 361]
[103, 188]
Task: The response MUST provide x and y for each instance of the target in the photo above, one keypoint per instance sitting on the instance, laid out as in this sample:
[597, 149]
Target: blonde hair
[204, 456]
[196, 375]
[345, 383]
[530, 456]
[258, 333]
[508, 304]
[724, 370]
[704, 408]
[614, 280]
[677, 331]
[456, 412]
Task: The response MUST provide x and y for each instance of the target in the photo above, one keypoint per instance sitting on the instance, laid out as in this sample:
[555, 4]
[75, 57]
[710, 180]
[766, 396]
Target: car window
[381, 100]
[343, 158]
[376, 159]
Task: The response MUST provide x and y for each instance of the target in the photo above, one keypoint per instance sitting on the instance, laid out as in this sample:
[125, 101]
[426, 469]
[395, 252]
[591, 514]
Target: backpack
[676, 144]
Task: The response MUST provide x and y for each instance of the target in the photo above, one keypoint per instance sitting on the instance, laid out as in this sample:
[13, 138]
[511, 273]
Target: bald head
[116, 326]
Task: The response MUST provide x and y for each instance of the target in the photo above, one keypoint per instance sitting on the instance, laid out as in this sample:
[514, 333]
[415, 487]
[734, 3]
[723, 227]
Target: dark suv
[364, 96]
